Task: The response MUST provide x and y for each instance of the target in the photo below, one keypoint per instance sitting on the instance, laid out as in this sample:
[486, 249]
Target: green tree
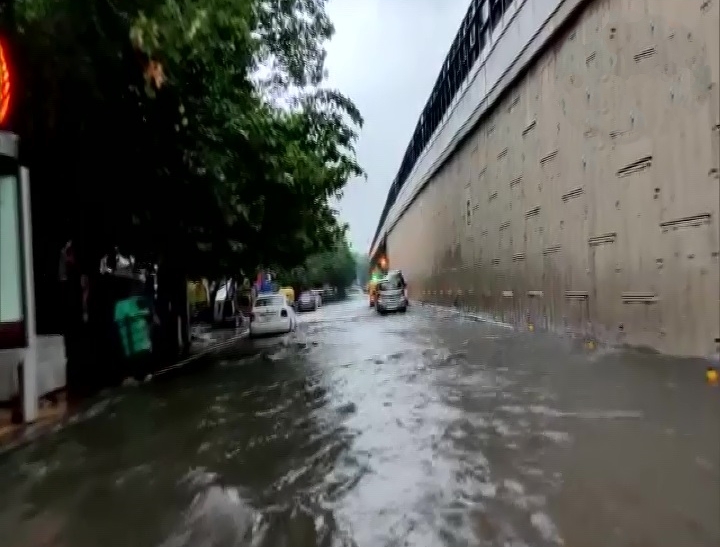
[335, 267]
[192, 129]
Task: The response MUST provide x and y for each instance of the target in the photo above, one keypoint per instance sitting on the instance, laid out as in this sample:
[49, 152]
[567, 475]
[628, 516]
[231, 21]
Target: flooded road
[417, 430]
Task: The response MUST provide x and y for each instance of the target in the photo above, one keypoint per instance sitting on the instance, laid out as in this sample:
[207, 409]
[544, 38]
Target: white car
[307, 302]
[271, 314]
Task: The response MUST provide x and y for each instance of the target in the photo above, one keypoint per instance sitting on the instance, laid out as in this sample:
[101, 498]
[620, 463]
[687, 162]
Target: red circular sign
[5, 88]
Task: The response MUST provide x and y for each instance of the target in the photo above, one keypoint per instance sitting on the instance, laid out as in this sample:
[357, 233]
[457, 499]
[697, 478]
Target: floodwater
[417, 430]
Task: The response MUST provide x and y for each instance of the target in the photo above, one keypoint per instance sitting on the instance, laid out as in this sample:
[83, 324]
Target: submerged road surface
[417, 430]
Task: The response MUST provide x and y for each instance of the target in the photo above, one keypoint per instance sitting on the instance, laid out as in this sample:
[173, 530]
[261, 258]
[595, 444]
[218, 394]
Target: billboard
[12, 327]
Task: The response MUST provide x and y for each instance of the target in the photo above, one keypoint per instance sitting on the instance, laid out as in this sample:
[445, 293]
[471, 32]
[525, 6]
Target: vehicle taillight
[283, 313]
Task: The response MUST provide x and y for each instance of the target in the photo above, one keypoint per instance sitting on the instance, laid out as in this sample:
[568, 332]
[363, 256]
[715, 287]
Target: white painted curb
[205, 351]
[473, 316]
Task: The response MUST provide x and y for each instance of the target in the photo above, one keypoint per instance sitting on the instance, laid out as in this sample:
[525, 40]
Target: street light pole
[30, 365]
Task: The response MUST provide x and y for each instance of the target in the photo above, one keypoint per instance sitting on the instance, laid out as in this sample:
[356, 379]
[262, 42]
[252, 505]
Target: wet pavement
[418, 430]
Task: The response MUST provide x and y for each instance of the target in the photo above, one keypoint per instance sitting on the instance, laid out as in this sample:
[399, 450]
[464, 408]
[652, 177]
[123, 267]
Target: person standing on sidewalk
[74, 315]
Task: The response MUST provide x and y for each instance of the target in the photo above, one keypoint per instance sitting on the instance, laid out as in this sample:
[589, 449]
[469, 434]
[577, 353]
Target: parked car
[329, 294]
[307, 302]
[271, 314]
[391, 295]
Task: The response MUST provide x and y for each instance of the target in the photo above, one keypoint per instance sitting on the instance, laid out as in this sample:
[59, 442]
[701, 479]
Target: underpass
[420, 429]
[563, 175]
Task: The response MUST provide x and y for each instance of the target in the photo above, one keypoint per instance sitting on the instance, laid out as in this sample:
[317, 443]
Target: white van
[391, 295]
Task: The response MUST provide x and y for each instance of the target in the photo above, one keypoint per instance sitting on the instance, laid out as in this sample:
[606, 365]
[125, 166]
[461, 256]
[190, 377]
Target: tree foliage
[184, 128]
[335, 267]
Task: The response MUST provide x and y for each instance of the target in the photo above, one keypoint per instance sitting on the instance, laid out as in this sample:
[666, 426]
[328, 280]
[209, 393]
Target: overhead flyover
[496, 41]
[542, 188]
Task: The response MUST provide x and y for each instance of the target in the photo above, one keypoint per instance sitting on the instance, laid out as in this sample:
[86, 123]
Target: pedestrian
[74, 314]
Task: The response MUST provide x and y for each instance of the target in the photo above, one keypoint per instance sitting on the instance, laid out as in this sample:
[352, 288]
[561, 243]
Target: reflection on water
[359, 430]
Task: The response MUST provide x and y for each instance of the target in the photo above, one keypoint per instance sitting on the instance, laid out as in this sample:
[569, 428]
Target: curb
[212, 348]
[34, 431]
[473, 316]
[589, 342]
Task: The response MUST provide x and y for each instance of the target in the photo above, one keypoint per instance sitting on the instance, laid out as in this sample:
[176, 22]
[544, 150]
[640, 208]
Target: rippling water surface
[418, 430]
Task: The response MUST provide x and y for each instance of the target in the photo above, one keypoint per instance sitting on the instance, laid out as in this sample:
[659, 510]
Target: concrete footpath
[54, 411]
[699, 363]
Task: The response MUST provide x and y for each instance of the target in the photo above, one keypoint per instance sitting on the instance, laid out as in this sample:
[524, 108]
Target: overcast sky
[385, 56]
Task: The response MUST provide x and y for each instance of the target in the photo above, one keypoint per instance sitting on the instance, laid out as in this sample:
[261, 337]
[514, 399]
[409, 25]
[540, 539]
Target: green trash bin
[131, 318]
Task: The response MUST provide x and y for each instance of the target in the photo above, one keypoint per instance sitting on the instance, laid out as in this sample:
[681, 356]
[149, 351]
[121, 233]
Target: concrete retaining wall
[587, 198]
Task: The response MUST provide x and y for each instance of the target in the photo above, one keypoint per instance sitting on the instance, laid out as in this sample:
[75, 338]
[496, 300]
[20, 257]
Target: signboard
[12, 330]
[12, 270]
[5, 85]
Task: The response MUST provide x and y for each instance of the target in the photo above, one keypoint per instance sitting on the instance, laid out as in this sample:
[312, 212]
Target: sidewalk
[52, 416]
[589, 343]
[50, 380]
[207, 340]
